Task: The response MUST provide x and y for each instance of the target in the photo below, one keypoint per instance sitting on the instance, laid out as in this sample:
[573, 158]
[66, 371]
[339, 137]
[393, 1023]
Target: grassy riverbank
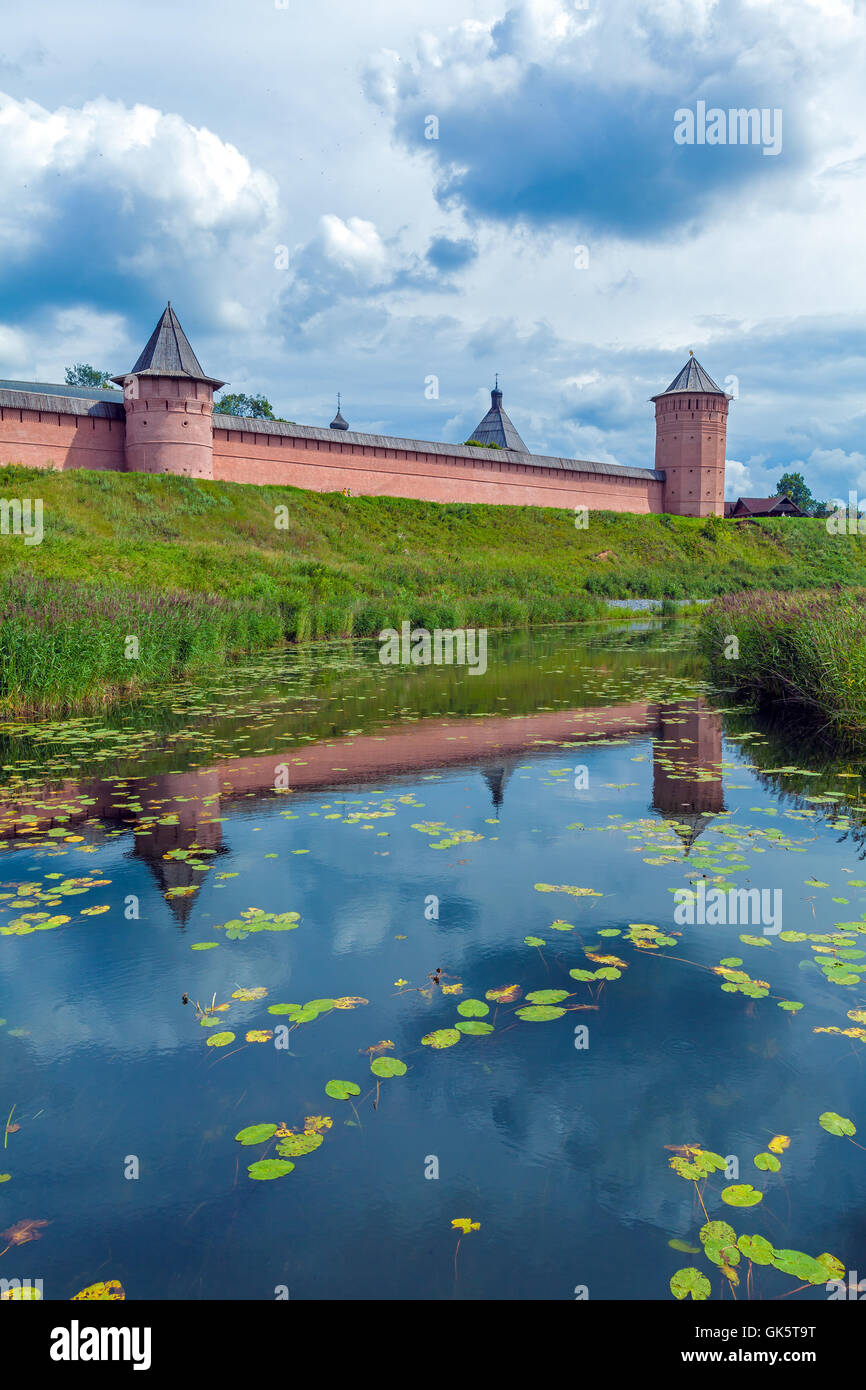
[805, 650]
[201, 569]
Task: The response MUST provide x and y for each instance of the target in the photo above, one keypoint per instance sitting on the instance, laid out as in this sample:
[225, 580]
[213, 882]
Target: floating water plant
[108, 1290]
[344, 1090]
[441, 1038]
[723, 1247]
[266, 1169]
[254, 919]
[385, 1066]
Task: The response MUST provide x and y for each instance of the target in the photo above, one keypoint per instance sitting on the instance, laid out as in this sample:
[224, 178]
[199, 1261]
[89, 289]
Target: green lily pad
[295, 1144]
[757, 1249]
[582, 974]
[534, 941]
[836, 1124]
[341, 1090]
[221, 1040]
[800, 1265]
[768, 1163]
[442, 1037]
[204, 945]
[741, 1195]
[388, 1066]
[474, 1026]
[269, 1168]
[717, 1233]
[546, 996]
[834, 1267]
[473, 1008]
[539, 1013]
[255, 1134]
[690, 1283]
[290, 1009]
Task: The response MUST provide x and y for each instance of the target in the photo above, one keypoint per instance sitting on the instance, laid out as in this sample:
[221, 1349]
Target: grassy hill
[344, 565]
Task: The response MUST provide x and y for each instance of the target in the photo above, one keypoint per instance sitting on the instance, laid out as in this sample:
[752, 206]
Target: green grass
[804, 650]
[353, 565]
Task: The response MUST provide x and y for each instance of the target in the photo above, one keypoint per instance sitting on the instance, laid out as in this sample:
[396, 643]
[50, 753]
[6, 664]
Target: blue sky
[171, 155]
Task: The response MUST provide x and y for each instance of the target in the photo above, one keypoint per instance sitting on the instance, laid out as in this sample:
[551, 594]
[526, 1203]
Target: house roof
[496, 428]
[168, 353]
[692, 377]
[756, 506]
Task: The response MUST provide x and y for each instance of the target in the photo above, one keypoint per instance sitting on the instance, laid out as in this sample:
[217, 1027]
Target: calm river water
[422, 821]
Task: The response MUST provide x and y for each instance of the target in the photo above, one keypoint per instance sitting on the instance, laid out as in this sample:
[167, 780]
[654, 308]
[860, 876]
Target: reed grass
[806, 650]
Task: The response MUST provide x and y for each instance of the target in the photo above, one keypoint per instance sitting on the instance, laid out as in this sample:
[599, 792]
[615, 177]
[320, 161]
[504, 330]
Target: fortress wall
[40, 439]
[371, 471]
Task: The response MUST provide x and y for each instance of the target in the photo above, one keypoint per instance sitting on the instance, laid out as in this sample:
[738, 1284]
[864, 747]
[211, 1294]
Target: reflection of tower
[496, 778]
[687, 777]
[178, 819]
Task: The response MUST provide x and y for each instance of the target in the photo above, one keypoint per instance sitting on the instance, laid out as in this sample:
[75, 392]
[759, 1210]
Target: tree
[794, 485]
[82, 374]
[250, 407]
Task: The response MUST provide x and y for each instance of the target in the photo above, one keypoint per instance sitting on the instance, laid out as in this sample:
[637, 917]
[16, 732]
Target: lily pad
[546, 996]
[539, 1013]
[341, 1090]
[110, 1289]
[757, 1249]
[474, 1026]
[690, 1283]
[255, 1134]
[768, 1163]
[473, 1008]
[388, 1066]
[836, 1124]
[442, 1037]
[295, 1144]
[800, 1265]
[268, 1168]
[221, 1040]
[741, 1195]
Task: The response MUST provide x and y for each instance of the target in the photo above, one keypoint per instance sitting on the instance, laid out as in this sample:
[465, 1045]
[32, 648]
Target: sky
[397, 200]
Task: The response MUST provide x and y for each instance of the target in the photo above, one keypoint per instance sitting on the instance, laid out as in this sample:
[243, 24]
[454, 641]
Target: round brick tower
[169, 406]
[691, 427]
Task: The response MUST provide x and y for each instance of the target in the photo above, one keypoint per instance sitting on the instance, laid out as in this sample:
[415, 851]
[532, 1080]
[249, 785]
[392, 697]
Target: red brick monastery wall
[40, 439]
[242, 457]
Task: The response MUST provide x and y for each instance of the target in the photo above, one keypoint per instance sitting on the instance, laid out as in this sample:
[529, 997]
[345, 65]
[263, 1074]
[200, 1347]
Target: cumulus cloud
[106, 196]
[553, 114]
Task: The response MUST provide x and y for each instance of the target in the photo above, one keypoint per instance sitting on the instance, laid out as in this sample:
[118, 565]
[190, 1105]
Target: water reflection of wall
[181, 811]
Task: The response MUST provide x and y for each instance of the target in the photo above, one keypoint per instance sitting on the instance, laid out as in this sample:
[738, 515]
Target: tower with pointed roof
[691, 430]
[168, 402]
[496, 428]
